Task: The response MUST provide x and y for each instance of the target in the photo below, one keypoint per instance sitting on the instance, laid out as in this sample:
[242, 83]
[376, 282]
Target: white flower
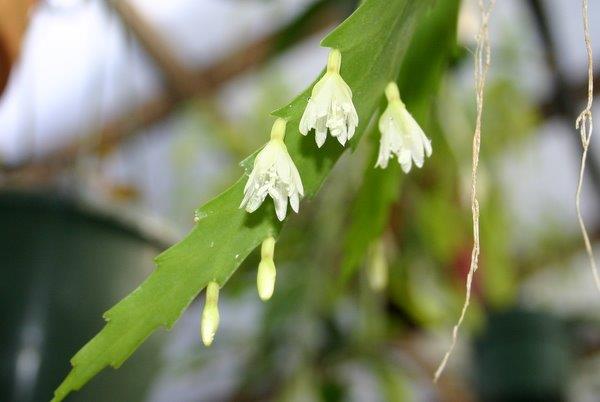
[265, 279]
[210, 314]
[274, 174]
[401, 135]
[330, 105]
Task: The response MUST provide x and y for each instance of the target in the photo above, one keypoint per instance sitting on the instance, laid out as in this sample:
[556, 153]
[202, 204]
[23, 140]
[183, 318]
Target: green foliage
[372, 42]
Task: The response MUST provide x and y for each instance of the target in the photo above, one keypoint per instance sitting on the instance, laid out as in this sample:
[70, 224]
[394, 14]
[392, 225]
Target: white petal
[404, 158]
[296, 181]
[280, 200]
[308, 118]
[406, 167]
[382, 160]
[389, 138]
[251, 180]
[427, 145]
[353, 122]
[385, 153]
[294, 201]
[321, 133]
[255, 200]
[248, 190]
[283, 168]
[418, 154]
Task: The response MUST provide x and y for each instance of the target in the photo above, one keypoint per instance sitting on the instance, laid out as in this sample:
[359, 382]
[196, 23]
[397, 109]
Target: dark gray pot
[522, 356]
[63, 265]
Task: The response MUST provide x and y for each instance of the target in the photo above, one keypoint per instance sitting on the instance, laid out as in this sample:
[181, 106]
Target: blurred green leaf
[499, 272]
[394, 386]
[372, 42]
[430, 50]
[509, 117]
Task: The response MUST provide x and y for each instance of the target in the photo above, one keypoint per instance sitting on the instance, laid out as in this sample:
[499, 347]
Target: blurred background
[118, 118]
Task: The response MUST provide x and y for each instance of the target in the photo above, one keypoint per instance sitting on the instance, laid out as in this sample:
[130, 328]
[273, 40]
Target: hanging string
[585, 126]
[482, 65]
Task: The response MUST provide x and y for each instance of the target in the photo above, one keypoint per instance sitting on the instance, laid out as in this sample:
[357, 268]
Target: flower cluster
[274, 173]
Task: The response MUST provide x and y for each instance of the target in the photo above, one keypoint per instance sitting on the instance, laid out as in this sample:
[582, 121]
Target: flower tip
[210, 324]
[265, 280]
[207, 338]
[280, 208]
[210, 314]
[406, 166]
[320, 139]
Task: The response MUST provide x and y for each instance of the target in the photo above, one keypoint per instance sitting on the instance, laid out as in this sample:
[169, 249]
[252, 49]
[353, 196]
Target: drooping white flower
[265, 279]
[401, 135]
[210, 314]
[274, 174]
[330, 105]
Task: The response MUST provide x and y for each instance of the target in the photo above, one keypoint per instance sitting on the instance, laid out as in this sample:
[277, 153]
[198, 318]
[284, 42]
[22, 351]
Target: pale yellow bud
[265, 279]
[210, 314]
[377, 268]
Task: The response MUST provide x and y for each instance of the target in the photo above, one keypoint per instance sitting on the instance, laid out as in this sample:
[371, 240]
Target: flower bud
[265, 279]
[210, 314]
[377, 268]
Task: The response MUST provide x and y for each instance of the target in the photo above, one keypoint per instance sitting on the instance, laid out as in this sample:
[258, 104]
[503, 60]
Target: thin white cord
[482, 65]
[584, 124]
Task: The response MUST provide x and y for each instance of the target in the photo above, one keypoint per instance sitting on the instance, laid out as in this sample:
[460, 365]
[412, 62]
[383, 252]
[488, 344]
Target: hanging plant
[368, 51]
